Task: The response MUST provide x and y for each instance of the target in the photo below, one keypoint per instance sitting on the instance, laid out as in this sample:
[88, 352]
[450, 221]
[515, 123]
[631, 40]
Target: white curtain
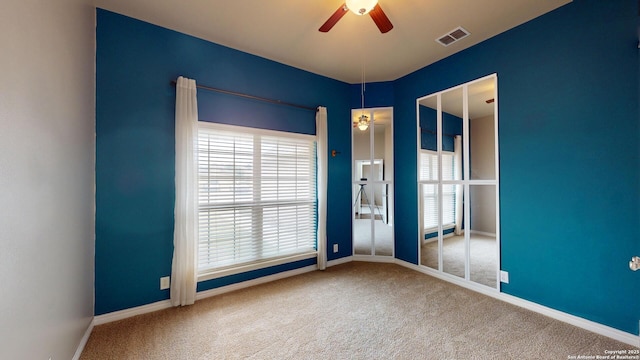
[322, 156]
[185, 261]
[457, 151]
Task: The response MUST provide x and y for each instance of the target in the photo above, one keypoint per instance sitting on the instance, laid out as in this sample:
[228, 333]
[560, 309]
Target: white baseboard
[374, 258]
[483, 289]
[589, 325]
[83, 341]
[127, 313]
[165, 304]
[342, 260]
[482, 233]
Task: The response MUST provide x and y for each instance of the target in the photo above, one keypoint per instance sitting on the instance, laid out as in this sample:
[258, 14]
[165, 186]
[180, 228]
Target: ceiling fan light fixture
[361, 7]
[363, 123]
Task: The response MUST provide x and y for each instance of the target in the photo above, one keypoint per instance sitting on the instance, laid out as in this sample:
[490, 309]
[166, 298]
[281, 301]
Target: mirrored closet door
[372, 185]
[458, 181]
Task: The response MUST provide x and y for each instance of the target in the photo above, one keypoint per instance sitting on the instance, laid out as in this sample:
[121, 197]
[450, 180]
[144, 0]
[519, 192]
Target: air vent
[453, 36]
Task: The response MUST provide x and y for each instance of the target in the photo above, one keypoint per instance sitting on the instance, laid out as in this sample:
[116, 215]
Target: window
[429, 171]
[257, 198]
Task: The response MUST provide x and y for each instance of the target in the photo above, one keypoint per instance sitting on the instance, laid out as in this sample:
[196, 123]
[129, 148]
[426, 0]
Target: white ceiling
[287, 30]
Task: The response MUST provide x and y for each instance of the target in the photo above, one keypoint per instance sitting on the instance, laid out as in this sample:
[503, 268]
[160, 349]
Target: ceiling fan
[360, 7]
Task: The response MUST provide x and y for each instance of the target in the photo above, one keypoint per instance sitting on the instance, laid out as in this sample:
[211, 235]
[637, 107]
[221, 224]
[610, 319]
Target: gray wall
[47, 162]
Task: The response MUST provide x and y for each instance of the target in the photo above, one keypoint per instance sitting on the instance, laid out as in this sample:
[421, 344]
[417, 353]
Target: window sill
[260, 264]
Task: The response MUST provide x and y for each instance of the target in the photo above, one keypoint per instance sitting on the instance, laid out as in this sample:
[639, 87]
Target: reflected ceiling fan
[360, 7]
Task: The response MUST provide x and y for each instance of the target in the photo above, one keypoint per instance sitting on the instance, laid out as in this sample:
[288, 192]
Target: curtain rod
[251, 97]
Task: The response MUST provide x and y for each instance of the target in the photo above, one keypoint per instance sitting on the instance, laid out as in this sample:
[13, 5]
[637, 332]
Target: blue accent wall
[569, 151]
[135, 106]
[377, 94]
[569, 160]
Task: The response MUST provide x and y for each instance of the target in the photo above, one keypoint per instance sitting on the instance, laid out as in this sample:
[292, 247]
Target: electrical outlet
[335, 248]
[504, 276]
[165, 283]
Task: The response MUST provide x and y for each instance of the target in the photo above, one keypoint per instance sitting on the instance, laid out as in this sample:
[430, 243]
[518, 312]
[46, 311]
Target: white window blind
[428, 165]
[430, 206]
[429, 172]
[257, 196]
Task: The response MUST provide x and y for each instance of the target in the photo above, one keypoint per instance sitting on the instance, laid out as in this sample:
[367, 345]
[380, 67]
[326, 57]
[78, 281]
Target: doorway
[372, 183]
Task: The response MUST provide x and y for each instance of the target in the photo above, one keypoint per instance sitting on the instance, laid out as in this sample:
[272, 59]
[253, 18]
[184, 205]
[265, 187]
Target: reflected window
[428, 170]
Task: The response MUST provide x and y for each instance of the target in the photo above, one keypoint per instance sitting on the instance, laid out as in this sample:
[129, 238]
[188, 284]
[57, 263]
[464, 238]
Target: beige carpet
[483, 259]
[351, 311]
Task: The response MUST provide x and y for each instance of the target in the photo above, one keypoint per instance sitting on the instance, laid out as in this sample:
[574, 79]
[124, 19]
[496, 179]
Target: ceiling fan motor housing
[361, 7]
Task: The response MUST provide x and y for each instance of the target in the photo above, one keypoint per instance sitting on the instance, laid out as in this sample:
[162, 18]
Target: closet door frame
[385, 185]
[466, 182]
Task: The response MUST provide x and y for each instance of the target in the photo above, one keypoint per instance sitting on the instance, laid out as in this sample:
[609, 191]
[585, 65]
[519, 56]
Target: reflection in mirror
[428, 173]
[429, 225]
[372, 190]
[453, 243]
[362, 219]
[428, 122]
[383, 233]
[482, 235]
[361, 149]
[452, 113]
[458, 181]
[482, 158]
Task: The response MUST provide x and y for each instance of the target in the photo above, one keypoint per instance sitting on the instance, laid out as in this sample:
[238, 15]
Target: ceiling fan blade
[334, 18]
[381, 19]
